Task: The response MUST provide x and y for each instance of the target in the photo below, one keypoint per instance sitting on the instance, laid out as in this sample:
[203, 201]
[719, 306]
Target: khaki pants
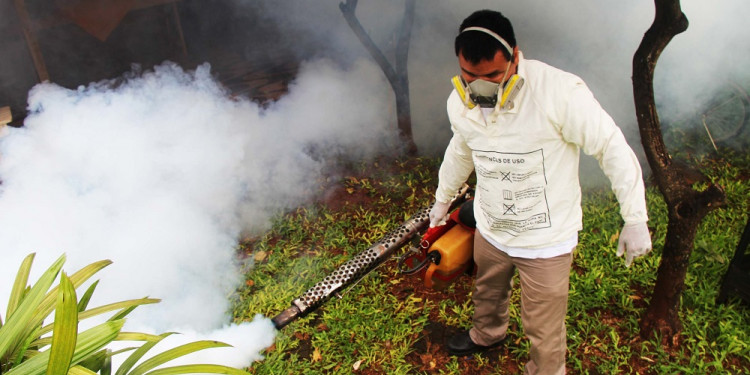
[544, 303]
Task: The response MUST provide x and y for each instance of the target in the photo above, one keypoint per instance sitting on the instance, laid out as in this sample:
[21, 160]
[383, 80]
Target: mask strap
[493, 34]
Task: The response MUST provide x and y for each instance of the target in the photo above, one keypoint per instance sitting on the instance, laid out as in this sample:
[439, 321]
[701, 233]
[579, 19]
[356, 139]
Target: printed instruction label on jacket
[512, 192]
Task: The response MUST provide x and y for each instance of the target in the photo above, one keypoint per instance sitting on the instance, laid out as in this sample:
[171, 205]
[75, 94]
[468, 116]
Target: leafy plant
[26, 348]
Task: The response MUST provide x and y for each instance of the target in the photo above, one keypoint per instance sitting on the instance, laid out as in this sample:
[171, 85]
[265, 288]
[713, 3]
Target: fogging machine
[438, 255]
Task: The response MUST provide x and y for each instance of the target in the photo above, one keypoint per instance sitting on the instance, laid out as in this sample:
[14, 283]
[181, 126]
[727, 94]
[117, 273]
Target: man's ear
[515, 55]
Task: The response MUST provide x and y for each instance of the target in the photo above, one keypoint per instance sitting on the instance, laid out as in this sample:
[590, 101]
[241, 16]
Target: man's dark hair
[476, 46]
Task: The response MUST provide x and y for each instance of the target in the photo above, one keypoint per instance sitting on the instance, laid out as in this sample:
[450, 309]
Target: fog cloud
[162, 171]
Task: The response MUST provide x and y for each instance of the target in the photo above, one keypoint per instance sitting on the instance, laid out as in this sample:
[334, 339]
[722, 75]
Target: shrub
[27, 348]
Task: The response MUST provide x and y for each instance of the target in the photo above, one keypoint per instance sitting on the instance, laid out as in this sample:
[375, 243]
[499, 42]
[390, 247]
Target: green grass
[371, 329]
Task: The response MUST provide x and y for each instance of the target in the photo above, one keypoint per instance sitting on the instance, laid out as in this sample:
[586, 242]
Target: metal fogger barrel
[353, 270]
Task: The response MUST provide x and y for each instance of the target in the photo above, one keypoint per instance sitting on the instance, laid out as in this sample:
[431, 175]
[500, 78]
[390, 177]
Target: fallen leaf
[260, 255]
[316, 355]
[427, 359]
[356, 365]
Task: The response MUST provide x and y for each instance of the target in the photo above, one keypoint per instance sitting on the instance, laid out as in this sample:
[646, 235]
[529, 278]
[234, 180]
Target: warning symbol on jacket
[512, 190]
[507, 195]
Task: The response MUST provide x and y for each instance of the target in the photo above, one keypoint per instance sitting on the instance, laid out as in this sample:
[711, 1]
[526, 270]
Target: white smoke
[593, 39]
[162, 171]
[711, 55]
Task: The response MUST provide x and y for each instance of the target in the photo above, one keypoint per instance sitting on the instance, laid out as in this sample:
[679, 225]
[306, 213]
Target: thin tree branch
[402, 47]
[348, 8]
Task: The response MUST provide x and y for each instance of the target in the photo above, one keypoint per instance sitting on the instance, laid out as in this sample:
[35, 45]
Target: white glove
[439, 214]
[635, 241]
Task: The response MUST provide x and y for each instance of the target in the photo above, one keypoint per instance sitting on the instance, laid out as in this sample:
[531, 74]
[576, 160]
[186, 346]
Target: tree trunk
[686, 205]
[398, 77]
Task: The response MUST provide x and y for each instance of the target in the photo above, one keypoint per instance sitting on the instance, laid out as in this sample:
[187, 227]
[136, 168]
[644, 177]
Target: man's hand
[635, 241]
[439, 214]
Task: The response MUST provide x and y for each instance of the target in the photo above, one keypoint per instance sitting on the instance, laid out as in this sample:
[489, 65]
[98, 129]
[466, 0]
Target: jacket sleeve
[456, 167]
[584, 122]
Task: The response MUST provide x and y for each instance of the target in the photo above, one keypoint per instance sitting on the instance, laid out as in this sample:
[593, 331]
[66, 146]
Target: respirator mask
[487, 94]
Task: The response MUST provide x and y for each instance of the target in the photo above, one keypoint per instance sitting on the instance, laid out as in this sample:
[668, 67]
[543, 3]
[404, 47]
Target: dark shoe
[461, 344]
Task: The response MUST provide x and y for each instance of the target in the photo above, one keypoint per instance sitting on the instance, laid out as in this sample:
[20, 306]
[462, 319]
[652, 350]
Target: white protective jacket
[526, 159]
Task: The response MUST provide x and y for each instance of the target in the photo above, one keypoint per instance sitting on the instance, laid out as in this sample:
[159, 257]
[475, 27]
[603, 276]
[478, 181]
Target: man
[520, 125]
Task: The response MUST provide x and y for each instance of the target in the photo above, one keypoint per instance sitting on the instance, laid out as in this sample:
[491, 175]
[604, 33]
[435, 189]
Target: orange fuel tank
[455, 249]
